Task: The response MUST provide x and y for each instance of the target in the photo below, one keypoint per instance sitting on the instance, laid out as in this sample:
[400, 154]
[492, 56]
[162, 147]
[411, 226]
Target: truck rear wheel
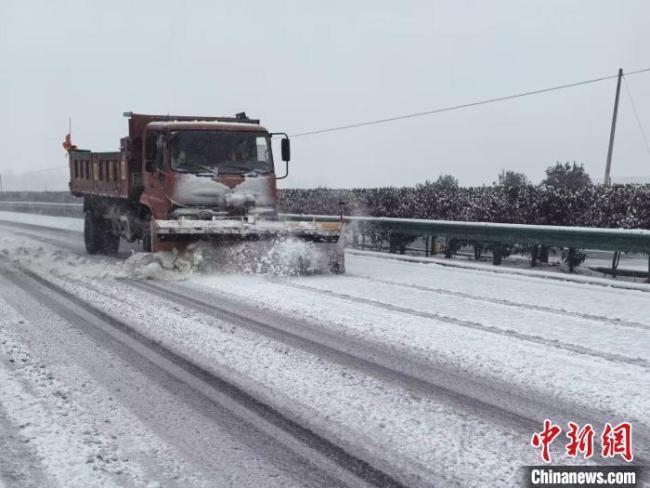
[98, 236]
[111, 242]
[147, 244]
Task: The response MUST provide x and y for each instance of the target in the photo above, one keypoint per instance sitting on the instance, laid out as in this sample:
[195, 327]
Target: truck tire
[111, 241]
[98, 237]
[91, 233]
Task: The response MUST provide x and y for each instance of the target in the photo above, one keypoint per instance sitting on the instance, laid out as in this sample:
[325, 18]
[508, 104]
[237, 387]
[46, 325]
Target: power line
[465, 105]
[44, 170]
[636, 115]
[448, 109]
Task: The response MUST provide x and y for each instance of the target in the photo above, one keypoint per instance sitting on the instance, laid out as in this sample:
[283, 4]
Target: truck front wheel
[98, 236]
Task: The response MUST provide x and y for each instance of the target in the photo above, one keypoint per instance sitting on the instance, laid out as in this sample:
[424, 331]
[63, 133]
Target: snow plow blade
[312, 231]
[168, 234]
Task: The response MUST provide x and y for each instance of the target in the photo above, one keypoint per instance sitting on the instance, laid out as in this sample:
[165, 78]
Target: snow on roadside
[609, 339]
[582, 297]
[64, 223]
[556, 275]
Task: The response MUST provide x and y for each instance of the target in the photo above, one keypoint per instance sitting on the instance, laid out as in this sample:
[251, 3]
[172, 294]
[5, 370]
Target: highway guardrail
[626, 240]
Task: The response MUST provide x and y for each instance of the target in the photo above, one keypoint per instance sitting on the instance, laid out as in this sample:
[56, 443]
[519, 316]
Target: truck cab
[208, 169]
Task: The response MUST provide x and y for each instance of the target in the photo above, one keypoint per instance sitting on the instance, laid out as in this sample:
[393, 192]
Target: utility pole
[608, 180]
[616, 258]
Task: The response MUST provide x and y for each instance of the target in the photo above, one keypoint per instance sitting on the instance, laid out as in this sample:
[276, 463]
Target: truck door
[156, 174]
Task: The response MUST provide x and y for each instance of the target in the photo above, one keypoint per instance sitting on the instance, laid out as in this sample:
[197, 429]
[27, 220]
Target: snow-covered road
[397, 373]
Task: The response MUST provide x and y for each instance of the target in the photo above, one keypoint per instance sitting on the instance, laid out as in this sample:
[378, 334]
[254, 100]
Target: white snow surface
[84, 428]
[380, 419]
[576, 342]
[492, 350]
[514, 268]
[73, 447]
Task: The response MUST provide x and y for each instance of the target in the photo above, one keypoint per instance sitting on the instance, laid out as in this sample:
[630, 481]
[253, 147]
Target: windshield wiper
[206, 168]
[244, 169]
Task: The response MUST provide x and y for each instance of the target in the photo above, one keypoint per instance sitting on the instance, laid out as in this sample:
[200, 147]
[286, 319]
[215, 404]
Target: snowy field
[425, 373]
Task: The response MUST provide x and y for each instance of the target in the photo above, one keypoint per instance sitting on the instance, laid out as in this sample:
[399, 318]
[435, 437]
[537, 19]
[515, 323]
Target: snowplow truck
[177, 180]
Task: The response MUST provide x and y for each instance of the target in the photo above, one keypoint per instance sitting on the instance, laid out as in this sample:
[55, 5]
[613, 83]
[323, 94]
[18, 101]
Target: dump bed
[99, 173]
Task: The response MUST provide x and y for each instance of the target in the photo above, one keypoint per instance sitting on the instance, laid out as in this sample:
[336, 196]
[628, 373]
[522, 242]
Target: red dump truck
[181, 179]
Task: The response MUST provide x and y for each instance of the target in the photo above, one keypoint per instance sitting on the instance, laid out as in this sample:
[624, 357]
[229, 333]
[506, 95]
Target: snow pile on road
[282, 257]
[286, 257]
[278, 257]
[49, 258]
[45, 257]
[169, 265]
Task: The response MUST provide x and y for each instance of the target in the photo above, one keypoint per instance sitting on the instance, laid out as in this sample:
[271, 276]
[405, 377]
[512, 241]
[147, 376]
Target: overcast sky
[302, 65]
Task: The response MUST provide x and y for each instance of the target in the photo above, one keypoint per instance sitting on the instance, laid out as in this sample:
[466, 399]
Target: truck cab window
[223, 152]
[154, 151]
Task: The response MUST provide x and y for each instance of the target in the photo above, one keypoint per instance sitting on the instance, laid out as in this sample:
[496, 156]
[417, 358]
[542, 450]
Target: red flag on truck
[67, 143]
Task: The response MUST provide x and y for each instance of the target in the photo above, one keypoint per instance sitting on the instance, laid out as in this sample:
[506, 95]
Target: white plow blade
[327, 231]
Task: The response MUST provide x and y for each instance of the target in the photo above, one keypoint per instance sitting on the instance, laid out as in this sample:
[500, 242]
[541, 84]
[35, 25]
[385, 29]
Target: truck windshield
[208, 151]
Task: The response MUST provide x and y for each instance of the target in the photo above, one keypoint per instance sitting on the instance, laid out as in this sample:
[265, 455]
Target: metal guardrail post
[615, 260]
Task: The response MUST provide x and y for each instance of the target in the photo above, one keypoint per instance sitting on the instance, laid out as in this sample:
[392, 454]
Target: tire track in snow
[325, 454]
[376, 360]
[509, 303]
[513, 334]
[500, 402]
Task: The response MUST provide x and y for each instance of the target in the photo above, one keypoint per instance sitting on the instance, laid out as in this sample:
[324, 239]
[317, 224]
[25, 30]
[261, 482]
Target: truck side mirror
[286, 149]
